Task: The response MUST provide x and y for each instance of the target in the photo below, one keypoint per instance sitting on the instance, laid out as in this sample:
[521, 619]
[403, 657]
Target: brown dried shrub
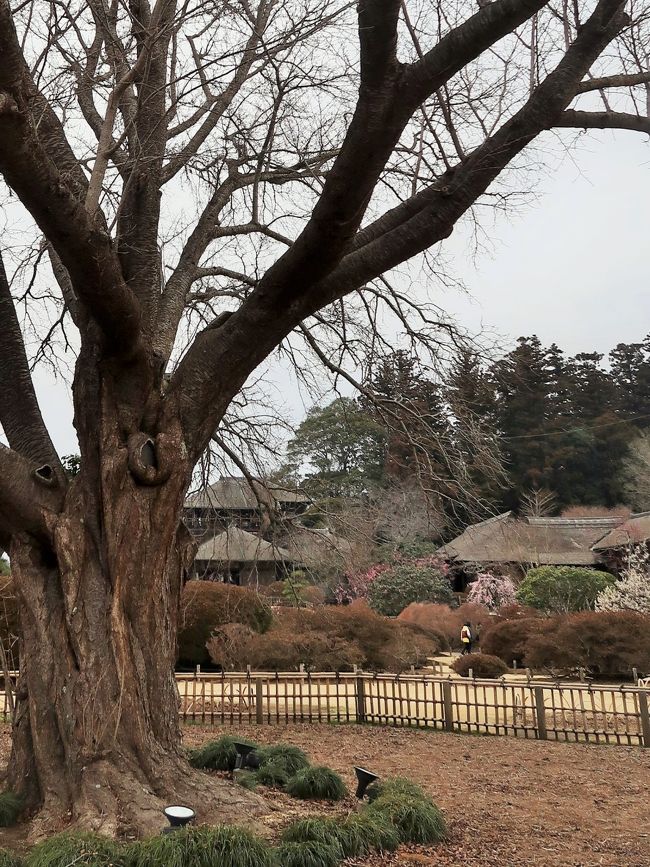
[509, 639]
[608, 644]
[480, 664]
[446, 620]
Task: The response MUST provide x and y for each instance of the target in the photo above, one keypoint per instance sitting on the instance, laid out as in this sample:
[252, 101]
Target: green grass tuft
[246, 779]
[415, 820]
[223, 846]
[357, 836]
[395, 786]
[272, 774]
[219, 755]
[309, 853]
[9, 859]
[80, 849]
[292, 759]
[10, 807]
[319, 784]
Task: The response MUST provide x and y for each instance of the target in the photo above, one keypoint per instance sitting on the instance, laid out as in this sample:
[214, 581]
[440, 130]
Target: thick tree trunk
[96, 735]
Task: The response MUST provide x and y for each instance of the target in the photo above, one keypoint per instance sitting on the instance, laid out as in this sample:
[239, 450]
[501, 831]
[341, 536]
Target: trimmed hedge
[208, 605]
[481, 664]
[335, 638]
[509, 639]
[396, 588]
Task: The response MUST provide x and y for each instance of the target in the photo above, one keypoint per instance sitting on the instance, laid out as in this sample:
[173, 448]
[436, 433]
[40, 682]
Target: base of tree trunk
[116, 801]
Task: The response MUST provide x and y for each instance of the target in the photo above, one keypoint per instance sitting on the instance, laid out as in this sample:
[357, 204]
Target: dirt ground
[508, 802]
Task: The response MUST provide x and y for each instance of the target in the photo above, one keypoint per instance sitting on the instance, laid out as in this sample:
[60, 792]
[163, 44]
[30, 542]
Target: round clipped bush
[317, 784]
[395, 588]
[223, 846]
[10, 807]
[481, 664]
[219, 755]
[416, 820]
[561, 589]
[208, 605]
[80, 849]
[309, 853]
[508, 639]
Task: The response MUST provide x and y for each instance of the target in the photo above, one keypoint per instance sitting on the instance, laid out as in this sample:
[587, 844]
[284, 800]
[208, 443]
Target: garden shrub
[336, 638]
[416, 820]
[397, 587]
[317, 784]
[560, 589]
[309, 853]
[219, 755]
[80, 849]
[481, 664]
[447, 621]
[508, 639]
[492, 591]
[10, 807]
[208, 605]
[222, 846]
[607, 644]
[227, 645]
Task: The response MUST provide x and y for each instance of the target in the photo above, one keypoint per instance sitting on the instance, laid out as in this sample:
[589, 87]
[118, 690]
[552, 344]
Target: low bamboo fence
[529, 709]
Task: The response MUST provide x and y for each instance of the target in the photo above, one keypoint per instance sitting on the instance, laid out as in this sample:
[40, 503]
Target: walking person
[466, 638]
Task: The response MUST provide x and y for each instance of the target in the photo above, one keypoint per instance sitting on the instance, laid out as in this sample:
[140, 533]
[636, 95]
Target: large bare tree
[189, 184]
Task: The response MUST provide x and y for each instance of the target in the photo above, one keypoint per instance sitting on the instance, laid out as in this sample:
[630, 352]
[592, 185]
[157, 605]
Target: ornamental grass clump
[416, 820]
[219, 755]
[359, 835]
[272, 774]
[291, 759]
[223, 846]
[10, 806]
[81, 850]
[9, 859]
[309, 853]
[395, 786]
[317, 784]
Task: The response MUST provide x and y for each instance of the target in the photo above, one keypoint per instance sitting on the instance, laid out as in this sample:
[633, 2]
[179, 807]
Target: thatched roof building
[238, 557]
[507, 539]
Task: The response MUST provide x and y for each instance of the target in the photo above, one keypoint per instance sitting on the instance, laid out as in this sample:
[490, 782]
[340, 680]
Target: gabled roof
[310, 546]
[238, 546]
[539, 541]
[634, 529]
[237, 494]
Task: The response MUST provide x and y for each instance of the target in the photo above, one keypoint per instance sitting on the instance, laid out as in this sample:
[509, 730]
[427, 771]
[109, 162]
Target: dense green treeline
[533, 429]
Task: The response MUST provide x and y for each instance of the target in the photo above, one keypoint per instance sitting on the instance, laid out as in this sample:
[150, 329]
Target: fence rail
[543, 711]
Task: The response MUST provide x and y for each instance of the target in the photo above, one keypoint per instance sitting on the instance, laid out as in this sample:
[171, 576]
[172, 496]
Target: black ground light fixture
[365, 778]
[243, 751]
[178, 816]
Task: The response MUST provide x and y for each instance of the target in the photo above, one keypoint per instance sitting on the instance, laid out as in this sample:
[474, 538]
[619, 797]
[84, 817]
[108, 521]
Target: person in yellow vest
[466, 638]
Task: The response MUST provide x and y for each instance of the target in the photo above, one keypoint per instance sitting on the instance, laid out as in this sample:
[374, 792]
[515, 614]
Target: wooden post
[470, 674]
[635, 676]
[360, 697]
[645, 718]
[540, 714]
[448, 707]
[259, 708]
[514, 665]
[581, 672]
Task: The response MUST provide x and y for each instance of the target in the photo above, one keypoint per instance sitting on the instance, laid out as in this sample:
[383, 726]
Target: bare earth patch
[508, 802]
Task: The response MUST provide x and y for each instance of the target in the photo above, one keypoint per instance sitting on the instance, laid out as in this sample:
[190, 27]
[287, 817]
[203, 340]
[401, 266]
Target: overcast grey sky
[571, 267]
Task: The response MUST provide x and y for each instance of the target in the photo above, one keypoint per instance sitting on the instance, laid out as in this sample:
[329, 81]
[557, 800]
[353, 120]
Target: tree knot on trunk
[152, 459]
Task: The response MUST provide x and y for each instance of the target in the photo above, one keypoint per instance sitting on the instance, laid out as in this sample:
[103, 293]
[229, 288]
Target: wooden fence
[543, 711]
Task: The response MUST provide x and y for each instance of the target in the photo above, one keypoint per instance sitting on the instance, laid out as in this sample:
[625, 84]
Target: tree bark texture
[96, 734]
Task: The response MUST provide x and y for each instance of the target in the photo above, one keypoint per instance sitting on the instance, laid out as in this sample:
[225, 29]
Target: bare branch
[621, 80]
[603, 120]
